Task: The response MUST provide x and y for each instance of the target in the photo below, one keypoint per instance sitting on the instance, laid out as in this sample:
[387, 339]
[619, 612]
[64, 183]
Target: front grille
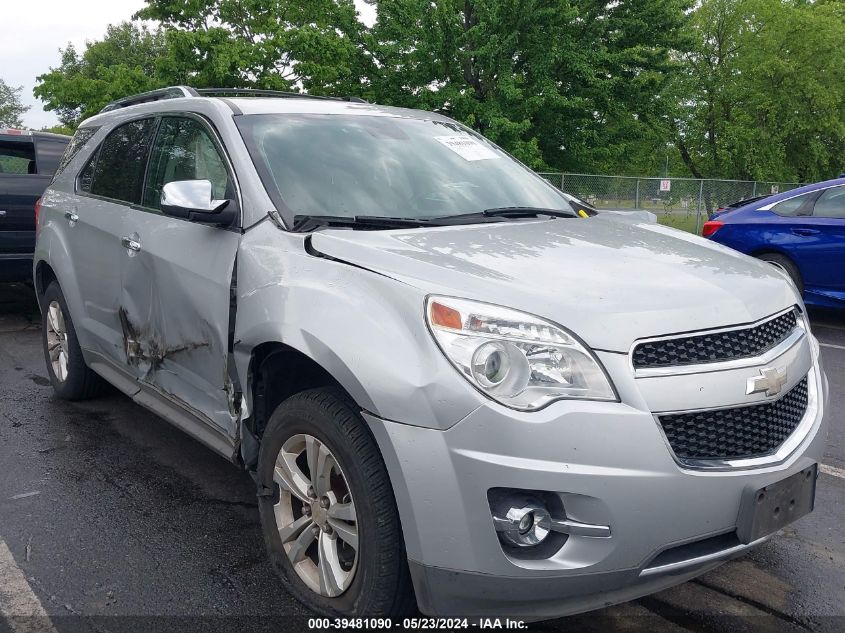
[737, 433]
[719, 346]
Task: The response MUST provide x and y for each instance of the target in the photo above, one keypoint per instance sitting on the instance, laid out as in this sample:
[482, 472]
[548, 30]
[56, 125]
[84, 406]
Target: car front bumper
[608, 463]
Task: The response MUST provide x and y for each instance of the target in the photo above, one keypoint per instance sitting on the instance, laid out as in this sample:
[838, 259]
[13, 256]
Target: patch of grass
[684, 222]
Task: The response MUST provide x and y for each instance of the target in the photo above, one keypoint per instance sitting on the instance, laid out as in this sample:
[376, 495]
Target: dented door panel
[174, 313]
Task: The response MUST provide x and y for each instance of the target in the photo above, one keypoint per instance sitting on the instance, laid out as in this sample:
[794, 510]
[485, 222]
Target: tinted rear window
[17, 157]
[794, 206]
[122, 161]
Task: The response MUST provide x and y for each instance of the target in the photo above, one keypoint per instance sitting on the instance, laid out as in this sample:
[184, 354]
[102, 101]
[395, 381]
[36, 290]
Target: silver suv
[454, 387]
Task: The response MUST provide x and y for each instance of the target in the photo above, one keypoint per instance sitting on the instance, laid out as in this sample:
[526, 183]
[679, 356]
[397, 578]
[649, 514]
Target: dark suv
[28, 161]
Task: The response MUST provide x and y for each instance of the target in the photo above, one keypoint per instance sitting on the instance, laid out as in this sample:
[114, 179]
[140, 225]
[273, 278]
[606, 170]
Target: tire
[786, 264]
[75, 381]
[379, 583]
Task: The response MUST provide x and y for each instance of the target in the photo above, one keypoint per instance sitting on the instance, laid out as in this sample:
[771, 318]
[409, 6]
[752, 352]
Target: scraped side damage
[175, 313]
[147, 351]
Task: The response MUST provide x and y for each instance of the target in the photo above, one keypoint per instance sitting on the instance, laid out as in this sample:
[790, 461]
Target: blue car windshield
[361, 165]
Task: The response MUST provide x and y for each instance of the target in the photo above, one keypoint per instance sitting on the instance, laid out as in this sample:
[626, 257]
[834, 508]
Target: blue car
[801, 230]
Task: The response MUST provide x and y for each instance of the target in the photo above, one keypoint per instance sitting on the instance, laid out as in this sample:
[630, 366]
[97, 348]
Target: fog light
[523, 522]
[526, 522]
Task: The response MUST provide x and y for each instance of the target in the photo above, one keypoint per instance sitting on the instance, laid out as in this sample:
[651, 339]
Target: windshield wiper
[305, 223]
[499, 213]
[526, 212]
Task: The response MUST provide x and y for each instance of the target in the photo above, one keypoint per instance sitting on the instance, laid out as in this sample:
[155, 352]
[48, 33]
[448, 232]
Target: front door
[176, 279]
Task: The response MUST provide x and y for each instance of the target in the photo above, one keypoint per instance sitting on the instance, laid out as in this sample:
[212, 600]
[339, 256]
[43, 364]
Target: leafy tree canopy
[762, 95]
[126, 61]
[11, 107]
[725, 88]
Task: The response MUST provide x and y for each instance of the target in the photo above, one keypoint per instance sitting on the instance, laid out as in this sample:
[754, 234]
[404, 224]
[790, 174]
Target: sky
[32, 31]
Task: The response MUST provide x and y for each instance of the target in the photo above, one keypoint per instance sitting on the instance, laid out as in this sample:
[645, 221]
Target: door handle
[70, 216]
[130, 244]
[805, 231]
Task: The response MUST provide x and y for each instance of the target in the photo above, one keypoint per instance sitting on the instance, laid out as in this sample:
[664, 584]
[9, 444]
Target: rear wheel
[786, 264]
[70, 376]
[330, 518]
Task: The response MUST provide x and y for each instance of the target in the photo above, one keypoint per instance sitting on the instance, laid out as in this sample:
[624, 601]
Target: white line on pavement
[832, 346]
[832, 470]
[18, 604]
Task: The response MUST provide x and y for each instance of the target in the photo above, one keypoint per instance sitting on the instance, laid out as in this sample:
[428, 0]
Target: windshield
[358, 165]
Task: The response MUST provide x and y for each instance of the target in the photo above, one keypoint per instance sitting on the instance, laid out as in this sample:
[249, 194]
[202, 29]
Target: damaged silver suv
[454, 388]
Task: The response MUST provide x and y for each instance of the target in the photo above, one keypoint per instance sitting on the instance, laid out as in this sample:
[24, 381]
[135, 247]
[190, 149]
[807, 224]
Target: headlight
[515, 358]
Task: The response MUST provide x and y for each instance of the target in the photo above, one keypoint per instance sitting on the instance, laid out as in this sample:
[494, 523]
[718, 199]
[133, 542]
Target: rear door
[111, 181]
[788, 226]
[176, 285]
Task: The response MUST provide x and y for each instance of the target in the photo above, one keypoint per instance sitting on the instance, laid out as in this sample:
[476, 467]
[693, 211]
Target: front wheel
[330, 519]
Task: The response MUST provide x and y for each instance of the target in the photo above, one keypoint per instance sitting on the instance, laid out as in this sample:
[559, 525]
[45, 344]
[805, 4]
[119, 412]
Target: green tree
[763, 96]
[11, 107]
[565, 83]
[126, 61]
[562, 84]
[276, 44]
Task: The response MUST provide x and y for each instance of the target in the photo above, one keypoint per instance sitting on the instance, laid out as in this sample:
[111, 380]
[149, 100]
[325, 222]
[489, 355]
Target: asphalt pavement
[113, 520]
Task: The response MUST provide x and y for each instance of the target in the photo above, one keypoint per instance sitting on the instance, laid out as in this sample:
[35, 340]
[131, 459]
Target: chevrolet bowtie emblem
[771, 380]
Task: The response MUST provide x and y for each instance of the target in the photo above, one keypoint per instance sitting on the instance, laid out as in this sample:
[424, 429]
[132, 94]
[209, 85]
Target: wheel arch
[277, 371]
[798, 277]
[44, 276]
[53, 262]
[769, 249]
[773, 250]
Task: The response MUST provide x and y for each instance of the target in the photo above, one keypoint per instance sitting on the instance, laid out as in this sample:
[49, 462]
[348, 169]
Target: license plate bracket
[765, 510]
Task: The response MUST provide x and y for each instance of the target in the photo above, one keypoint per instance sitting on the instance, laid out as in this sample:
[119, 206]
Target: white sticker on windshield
[467, 147]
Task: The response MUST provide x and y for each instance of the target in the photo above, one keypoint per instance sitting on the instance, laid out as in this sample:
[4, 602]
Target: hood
[609, 282]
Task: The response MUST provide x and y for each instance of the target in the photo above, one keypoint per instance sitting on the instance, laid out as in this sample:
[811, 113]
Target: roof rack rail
[173, 92]
[261, 92]
[179, 92]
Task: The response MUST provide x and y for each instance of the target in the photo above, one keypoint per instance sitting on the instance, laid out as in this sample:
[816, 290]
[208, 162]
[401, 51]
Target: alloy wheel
[315, 515]
[57, 343]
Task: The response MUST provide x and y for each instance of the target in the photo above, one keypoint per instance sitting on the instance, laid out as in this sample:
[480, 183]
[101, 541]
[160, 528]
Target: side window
[831, 204]
[17, 158]
[119, 169]
[793, 206]
[184, 150]
[49, 153]
[82, 136]
[86, 176]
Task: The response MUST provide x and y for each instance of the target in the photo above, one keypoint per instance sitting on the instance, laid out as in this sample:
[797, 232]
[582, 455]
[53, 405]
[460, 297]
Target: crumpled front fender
[366, 329]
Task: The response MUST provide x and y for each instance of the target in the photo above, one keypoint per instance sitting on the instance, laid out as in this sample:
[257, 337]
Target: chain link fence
[684, 203]
[14, 165]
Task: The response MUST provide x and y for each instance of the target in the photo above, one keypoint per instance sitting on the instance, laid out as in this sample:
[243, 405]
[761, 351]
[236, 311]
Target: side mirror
[194, 200]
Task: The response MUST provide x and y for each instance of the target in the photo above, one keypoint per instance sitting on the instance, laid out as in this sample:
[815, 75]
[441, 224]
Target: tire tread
[393, 593]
